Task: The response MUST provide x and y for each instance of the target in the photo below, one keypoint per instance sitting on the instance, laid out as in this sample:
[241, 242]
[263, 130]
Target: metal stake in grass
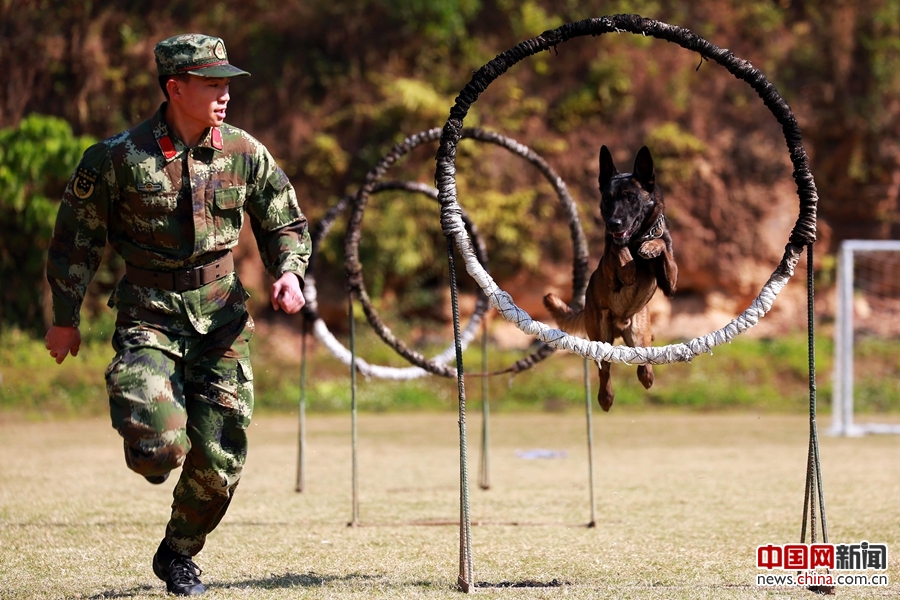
[813, 464]
[484, 481]
[301, 442]
[590, 439]
[465, 580]
[354, 521]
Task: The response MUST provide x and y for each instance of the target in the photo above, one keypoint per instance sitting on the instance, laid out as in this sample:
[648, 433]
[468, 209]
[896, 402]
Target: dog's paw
[645, 375]
[606, 399]
[651, 248]
[553, 303]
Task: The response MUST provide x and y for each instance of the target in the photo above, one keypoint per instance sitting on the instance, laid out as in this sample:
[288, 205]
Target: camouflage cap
[194, 54]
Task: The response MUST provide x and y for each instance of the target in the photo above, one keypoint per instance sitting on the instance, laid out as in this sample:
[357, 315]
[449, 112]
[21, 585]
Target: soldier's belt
[181, 280]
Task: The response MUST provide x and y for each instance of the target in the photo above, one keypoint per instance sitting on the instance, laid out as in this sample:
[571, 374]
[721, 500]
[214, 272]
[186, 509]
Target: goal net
[866, 382]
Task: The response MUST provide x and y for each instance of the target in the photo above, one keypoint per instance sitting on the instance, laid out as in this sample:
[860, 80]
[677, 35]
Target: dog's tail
[567, 319]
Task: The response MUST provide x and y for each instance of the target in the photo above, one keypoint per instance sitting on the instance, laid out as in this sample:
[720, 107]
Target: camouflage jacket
[164, 206]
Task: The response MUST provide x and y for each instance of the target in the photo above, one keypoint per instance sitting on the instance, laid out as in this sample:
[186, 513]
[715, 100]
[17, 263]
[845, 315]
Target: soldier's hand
[61, 341]
[286, 294]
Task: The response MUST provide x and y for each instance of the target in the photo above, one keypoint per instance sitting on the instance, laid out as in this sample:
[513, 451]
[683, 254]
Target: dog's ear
[643, 169]
[607, 168]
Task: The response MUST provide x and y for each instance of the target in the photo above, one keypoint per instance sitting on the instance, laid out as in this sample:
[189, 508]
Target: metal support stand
[465, 579]
[484, 480]
[354, 521]
[588, 404]
[814, 487]
[301, 442]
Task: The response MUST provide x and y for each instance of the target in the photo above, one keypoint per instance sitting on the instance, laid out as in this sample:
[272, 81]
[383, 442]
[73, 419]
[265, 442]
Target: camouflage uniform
[181, 384]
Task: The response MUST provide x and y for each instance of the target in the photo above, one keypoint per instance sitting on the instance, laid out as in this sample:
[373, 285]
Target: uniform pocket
[245, 370]
[112, 368]
[228, 215]
[230, 386]
[150, 218]
[229, 198]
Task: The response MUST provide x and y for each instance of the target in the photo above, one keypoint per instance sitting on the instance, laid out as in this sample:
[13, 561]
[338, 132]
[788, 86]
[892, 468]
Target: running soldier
[169, 195]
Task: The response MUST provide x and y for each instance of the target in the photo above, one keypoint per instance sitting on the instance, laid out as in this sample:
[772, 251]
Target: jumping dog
[637, 258]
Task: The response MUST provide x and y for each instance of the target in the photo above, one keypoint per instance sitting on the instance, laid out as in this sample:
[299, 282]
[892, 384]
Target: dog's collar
[657, 230]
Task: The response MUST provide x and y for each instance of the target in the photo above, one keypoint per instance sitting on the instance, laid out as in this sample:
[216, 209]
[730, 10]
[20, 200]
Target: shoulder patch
[83, 184]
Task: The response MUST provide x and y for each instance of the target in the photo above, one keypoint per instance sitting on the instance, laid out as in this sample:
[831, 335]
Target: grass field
[683, 499]
[750, 374]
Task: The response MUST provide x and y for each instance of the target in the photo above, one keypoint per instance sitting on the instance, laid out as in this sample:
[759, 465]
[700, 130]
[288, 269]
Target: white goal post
[842, 389]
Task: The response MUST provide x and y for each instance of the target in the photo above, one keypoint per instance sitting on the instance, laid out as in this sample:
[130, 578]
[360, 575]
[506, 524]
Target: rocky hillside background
[336, 83]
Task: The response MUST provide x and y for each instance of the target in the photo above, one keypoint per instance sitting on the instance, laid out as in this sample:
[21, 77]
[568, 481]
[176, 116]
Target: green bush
[36, 160]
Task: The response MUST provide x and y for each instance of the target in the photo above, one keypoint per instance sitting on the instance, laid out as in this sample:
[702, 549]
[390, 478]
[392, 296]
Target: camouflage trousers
[185, 401]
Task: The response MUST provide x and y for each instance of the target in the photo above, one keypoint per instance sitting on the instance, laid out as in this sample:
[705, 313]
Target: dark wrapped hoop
[353, 234]
[310, 310]
[803, 233]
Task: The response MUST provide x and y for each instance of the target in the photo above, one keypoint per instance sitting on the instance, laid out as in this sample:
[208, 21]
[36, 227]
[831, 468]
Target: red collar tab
[167, 147]
[217, 139]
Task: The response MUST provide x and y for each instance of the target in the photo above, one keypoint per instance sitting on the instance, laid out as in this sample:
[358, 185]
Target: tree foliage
[337, 82]
[36, 160]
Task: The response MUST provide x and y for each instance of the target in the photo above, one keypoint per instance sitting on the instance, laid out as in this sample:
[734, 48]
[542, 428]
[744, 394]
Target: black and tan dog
[637, 258]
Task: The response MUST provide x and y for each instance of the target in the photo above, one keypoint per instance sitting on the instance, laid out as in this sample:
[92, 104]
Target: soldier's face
[203, 100]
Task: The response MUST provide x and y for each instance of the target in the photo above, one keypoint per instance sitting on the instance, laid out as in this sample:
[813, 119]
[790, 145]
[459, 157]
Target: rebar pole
[588, 405]
[813, 426]
[301, 442]
[465, 579]
[485, 476]
[354, 522]
[813, 467]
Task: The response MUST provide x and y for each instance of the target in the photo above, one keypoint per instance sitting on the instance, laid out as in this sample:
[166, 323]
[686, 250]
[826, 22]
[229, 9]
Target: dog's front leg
[608, 263]
[599, 327]
[670, 274]
[617, 266]
[639, 334]
[626, 271]
[666, 269]
[667, 274]
[668, 279]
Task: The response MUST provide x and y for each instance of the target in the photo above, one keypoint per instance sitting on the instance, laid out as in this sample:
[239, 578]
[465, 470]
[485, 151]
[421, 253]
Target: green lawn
[682, 501]
[748, 374]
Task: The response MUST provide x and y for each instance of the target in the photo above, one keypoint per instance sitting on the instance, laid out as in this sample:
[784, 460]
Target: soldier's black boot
[178, 571]
[136, 459]
[156, 479]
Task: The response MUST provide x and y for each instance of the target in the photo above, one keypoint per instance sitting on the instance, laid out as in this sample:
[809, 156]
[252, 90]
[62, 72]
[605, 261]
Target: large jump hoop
[803, 234]
[353, 234]
[804, 231]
